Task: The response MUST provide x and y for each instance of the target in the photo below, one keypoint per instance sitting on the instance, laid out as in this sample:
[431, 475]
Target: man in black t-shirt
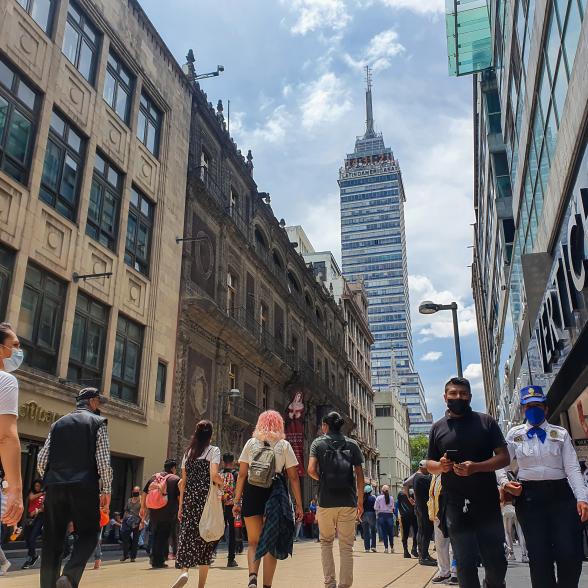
[162, 520]
[467, 447]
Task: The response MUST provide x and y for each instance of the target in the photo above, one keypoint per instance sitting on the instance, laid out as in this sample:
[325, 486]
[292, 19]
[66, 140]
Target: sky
[294, 77]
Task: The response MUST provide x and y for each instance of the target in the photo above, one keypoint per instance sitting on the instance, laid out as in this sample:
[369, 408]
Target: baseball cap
[423, 463]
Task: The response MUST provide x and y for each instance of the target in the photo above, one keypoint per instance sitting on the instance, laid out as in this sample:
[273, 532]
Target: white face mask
[12, 363]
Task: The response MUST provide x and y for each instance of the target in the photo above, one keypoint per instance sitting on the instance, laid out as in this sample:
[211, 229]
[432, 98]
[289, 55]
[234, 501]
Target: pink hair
[270, 427]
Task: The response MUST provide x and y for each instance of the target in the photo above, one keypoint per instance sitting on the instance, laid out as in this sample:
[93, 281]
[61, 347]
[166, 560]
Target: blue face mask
[535, 415]
[15, 360]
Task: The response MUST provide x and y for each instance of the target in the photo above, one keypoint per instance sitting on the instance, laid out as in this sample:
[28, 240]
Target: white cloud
[379, 52]
[324, 100]
[439, 325]
[273, 130]
[432, 356]
[473, 373]
[313, 15]
[418, 6]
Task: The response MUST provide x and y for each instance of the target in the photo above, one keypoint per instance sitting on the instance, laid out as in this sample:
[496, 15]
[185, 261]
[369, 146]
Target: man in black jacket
[75, 465]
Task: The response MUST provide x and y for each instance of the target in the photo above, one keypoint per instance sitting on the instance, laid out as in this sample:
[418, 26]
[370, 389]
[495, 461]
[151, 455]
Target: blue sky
[293, 75]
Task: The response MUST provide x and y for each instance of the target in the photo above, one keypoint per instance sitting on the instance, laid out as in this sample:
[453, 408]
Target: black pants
[161, 531]
[409, 522]
[173, 539]
[547, 513]
[75, 503]
[479, 532]
[32, 533]
[230, 521]
[425, 531]
[130, 542]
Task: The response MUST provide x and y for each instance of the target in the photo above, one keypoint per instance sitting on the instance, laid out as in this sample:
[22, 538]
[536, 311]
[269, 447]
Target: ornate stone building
[252, 316]
[94, 127]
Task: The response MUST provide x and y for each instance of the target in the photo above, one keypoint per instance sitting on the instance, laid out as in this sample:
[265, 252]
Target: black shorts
[254, 499]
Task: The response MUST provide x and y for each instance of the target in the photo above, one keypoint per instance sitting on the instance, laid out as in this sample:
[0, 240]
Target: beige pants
[338, 521]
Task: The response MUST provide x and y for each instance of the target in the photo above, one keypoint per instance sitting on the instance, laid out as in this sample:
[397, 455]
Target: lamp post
[428, 307]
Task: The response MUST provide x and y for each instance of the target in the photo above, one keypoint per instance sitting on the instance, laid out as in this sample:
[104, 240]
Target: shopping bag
[212, 521]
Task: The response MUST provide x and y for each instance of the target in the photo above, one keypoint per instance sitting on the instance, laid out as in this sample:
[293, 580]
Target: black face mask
[135, 494]
[458, 406]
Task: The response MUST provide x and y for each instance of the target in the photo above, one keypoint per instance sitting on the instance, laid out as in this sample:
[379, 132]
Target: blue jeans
[386, 528]
[368, 526]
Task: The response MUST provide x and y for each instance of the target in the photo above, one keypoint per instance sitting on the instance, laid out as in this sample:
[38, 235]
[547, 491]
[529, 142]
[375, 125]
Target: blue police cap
[532, 394]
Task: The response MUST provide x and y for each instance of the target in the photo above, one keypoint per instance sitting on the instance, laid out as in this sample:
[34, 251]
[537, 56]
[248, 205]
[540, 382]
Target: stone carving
[10, 199]
[56, 241]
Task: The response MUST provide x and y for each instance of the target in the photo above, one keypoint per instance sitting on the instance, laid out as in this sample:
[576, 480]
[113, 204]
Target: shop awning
[469, 36]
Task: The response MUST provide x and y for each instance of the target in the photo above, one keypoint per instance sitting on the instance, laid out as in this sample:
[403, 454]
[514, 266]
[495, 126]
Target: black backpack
[336, 469]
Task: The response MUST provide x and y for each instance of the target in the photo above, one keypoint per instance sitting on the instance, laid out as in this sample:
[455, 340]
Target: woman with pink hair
[250, 500]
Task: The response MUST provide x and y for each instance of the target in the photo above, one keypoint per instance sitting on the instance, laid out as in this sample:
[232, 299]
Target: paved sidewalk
[372, 570]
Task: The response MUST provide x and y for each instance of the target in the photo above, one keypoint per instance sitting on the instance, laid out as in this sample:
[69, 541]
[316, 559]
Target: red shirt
[36, 503]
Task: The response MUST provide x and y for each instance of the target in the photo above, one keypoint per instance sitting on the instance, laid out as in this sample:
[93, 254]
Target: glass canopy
[469, 38]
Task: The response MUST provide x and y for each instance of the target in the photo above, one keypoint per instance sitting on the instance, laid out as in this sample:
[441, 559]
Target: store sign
[560, 310]
[34, 412]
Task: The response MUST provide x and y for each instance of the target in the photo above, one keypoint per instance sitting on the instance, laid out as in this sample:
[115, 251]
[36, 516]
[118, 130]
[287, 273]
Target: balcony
[243, 410]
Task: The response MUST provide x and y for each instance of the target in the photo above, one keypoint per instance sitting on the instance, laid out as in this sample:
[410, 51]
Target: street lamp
[428, 307]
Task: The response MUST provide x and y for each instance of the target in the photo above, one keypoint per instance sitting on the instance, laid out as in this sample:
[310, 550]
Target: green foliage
[418, 450]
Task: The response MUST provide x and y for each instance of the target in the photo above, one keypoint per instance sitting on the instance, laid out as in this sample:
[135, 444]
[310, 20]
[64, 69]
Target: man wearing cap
[75, 466]
[552, 499]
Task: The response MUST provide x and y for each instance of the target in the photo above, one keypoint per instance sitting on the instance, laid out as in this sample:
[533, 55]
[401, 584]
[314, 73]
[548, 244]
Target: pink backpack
[157, 494]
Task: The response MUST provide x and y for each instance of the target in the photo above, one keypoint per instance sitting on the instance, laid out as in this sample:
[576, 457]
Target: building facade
[93, 164]
[531, 177]
[392, 431]
[252, 316]
[352, 299]
[373, 242]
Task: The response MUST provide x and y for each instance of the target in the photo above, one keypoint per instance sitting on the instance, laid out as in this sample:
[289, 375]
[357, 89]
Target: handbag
[212, 521]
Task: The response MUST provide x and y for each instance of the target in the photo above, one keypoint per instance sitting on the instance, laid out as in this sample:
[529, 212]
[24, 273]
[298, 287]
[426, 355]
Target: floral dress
[192, 549]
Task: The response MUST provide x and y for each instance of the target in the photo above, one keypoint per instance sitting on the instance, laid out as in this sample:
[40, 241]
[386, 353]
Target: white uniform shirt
[555, 459]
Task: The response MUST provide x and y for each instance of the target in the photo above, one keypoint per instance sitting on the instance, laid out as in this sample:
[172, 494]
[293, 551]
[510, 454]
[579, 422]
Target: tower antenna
[369, 131]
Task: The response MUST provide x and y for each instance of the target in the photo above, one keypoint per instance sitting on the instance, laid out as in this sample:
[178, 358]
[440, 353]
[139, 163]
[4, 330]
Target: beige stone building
[392, 438]
[94, 124]
[252, 318]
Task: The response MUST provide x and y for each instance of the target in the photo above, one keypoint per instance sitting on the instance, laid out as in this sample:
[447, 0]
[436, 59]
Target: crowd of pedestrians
[474, 493]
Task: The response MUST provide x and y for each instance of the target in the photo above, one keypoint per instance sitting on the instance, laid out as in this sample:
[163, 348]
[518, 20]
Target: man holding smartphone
[467, 447]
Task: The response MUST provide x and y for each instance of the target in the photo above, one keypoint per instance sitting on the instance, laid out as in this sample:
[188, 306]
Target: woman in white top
[250, 500]
[199, 466]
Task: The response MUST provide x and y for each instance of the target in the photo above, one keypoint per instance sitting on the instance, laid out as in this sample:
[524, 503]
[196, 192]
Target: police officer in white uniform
[551, 497]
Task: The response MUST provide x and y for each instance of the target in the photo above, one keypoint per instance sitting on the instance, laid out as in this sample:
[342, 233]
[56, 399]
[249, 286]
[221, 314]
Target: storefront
[558, 350]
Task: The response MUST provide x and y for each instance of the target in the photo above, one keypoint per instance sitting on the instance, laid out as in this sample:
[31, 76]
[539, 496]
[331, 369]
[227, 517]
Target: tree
[418, 450]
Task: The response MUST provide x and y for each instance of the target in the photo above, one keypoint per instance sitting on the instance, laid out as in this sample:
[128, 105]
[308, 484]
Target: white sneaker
[386, 550]
[4, 568]
[181, 581]
[367, 550]
[391, 549]
[525, 559]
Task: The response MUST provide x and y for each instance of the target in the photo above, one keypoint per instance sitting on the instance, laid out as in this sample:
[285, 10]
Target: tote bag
[212, 521]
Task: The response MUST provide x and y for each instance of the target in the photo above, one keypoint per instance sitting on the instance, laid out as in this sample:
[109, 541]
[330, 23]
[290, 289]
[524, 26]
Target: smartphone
[453, 455]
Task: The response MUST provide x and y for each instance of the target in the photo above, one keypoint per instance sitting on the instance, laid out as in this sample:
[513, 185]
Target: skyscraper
[373, 242]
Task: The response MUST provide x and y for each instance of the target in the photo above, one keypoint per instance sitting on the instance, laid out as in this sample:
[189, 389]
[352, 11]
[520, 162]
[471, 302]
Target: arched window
[260, 238]
[293, 283]
[277, 260]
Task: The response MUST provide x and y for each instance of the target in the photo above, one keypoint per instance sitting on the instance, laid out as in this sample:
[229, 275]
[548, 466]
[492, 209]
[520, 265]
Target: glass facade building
[373, 245]
[531, 232]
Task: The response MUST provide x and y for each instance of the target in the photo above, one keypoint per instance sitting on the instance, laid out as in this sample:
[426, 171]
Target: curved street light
[428, 307]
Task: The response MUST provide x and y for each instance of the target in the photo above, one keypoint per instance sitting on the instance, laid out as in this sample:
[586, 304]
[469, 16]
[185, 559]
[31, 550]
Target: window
[264, 317]
[139, 232]
[6, 266]
[60, 184]
[41, 317]
[104, 208]
[118, 87]
[161, 381]
[127, 360]
[18, 108]
[265, 397]
[204, 165]
[86, 357]
[231, 295]
[41, 11]
[234, 203]
[233, 376]
[383, 411]
[149, 124]
[80, 42]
